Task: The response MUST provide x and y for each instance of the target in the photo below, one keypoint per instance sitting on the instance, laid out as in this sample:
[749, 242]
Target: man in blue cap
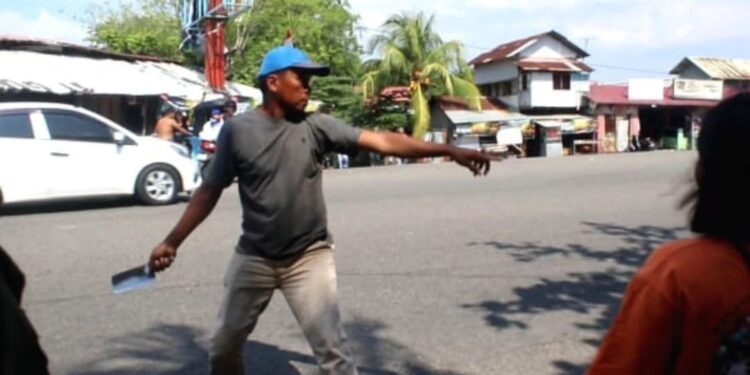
[276, 152]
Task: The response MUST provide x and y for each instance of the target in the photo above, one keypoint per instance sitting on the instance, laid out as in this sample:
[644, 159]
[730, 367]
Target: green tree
[412, 54]
[145, 27]
[324, 29]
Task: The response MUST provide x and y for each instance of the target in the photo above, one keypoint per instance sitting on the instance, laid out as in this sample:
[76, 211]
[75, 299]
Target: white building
[539, 74]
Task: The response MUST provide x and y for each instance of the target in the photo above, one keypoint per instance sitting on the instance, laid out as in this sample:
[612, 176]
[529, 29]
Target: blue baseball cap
[215, 112]
[288, 57]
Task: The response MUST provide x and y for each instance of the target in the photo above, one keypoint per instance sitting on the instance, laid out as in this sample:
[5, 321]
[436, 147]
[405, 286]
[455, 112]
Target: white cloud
[45, 26]
[665, 23]
[535, 5]
[611, 24]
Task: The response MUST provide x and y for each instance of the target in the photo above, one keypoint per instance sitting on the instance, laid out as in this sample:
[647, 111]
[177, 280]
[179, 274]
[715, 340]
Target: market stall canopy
[458, 112]
[28, 65]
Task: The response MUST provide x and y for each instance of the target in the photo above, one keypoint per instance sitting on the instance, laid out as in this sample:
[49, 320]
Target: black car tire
[158, 184]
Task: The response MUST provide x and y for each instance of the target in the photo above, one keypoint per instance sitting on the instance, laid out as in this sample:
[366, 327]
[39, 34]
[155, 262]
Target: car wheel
[158, 184]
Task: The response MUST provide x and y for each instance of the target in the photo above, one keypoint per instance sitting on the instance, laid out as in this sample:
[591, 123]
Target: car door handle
[60, 154]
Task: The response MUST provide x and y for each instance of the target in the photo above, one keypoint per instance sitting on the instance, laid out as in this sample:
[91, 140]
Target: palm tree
[413, 55]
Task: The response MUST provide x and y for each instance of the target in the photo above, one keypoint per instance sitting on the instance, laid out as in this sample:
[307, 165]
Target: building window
[525, 82]
[506, 88]
[561, 81]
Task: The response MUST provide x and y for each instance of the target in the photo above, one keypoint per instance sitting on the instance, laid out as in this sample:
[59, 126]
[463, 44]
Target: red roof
[618, 95]
[554, 66]
[509, 49]
[396, 94]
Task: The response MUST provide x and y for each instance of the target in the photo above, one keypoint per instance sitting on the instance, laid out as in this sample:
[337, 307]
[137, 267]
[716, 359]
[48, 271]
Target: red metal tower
[214, 62]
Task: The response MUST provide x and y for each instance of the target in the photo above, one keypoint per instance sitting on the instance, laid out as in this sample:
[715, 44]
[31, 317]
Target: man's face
[291, 88]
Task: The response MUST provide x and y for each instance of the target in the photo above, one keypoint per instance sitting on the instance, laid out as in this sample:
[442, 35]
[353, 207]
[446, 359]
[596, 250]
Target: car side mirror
[119, 138]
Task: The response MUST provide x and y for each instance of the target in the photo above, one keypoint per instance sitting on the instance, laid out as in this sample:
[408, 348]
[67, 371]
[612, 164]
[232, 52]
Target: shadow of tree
[164, 349]
[595, 293]
[167, 349]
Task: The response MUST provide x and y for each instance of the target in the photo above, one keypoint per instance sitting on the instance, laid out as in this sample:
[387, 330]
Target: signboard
[698, 89]
[509, 136]
[646, 89]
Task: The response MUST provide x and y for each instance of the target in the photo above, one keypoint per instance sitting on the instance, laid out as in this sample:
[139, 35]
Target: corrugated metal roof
[716, 68]
[553, 66]
[24, 43]
[511, 49]
[61, 74]
[460, 116]
[456, 102]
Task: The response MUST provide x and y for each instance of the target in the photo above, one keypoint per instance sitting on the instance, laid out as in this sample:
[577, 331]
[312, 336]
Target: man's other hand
[477, 162]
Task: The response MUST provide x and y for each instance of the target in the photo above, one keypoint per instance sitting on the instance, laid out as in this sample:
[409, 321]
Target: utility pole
[214, 61]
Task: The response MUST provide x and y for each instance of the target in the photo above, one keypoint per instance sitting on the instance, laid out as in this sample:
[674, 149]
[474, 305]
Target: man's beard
[292, 112]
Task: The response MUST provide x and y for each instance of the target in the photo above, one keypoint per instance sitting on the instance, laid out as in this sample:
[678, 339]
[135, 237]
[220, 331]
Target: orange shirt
[686, 299]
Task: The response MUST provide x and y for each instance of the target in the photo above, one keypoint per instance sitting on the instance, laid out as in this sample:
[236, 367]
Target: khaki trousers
[308, 283]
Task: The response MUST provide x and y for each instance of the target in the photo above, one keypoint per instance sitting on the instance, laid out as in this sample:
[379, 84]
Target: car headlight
[180, 150]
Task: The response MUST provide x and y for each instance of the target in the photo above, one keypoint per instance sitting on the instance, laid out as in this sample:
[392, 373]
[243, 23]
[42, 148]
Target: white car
[50, 151]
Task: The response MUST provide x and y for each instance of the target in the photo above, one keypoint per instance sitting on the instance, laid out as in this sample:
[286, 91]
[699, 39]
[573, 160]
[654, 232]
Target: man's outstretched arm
[393, 144]
[201, 204]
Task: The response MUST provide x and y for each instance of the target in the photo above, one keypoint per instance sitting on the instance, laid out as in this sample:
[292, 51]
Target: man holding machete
[275, 152]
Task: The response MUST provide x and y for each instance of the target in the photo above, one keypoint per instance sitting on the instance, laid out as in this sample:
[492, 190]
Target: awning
[26, 71]
[459, 117]
[550, 123]
[568, 124]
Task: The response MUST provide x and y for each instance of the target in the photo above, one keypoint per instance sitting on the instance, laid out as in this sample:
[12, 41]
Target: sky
[626, 39]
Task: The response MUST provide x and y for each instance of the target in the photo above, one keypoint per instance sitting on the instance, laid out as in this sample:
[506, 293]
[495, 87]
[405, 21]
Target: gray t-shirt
[279, 167]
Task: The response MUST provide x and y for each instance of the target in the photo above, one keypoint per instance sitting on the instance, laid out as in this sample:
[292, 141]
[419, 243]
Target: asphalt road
[439, 273]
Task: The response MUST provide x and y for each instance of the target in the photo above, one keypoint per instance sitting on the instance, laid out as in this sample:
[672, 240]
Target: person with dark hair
[687, 310]
[276, 152]
[20, 352]
[230, 108]
[169, 125]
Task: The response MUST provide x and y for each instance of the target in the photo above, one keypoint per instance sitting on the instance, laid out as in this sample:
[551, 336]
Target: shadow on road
[182, 350]
[47, 207]
[596, 293]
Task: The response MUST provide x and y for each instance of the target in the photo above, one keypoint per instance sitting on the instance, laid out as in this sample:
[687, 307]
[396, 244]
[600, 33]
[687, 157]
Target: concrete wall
[548, 48]
[511, 101]
[543, 95]
[495, 72]
[439, 121]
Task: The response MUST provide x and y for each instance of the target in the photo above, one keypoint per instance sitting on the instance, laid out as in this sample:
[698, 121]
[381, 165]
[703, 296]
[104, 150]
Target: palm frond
[369, 84]
[449, 54]
[376, 43]
[421, 113]
[468, 90]
[394, 62]
[442, 71]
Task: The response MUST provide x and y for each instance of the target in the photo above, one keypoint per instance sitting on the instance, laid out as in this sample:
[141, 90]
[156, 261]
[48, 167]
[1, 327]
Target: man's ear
[272, 82]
